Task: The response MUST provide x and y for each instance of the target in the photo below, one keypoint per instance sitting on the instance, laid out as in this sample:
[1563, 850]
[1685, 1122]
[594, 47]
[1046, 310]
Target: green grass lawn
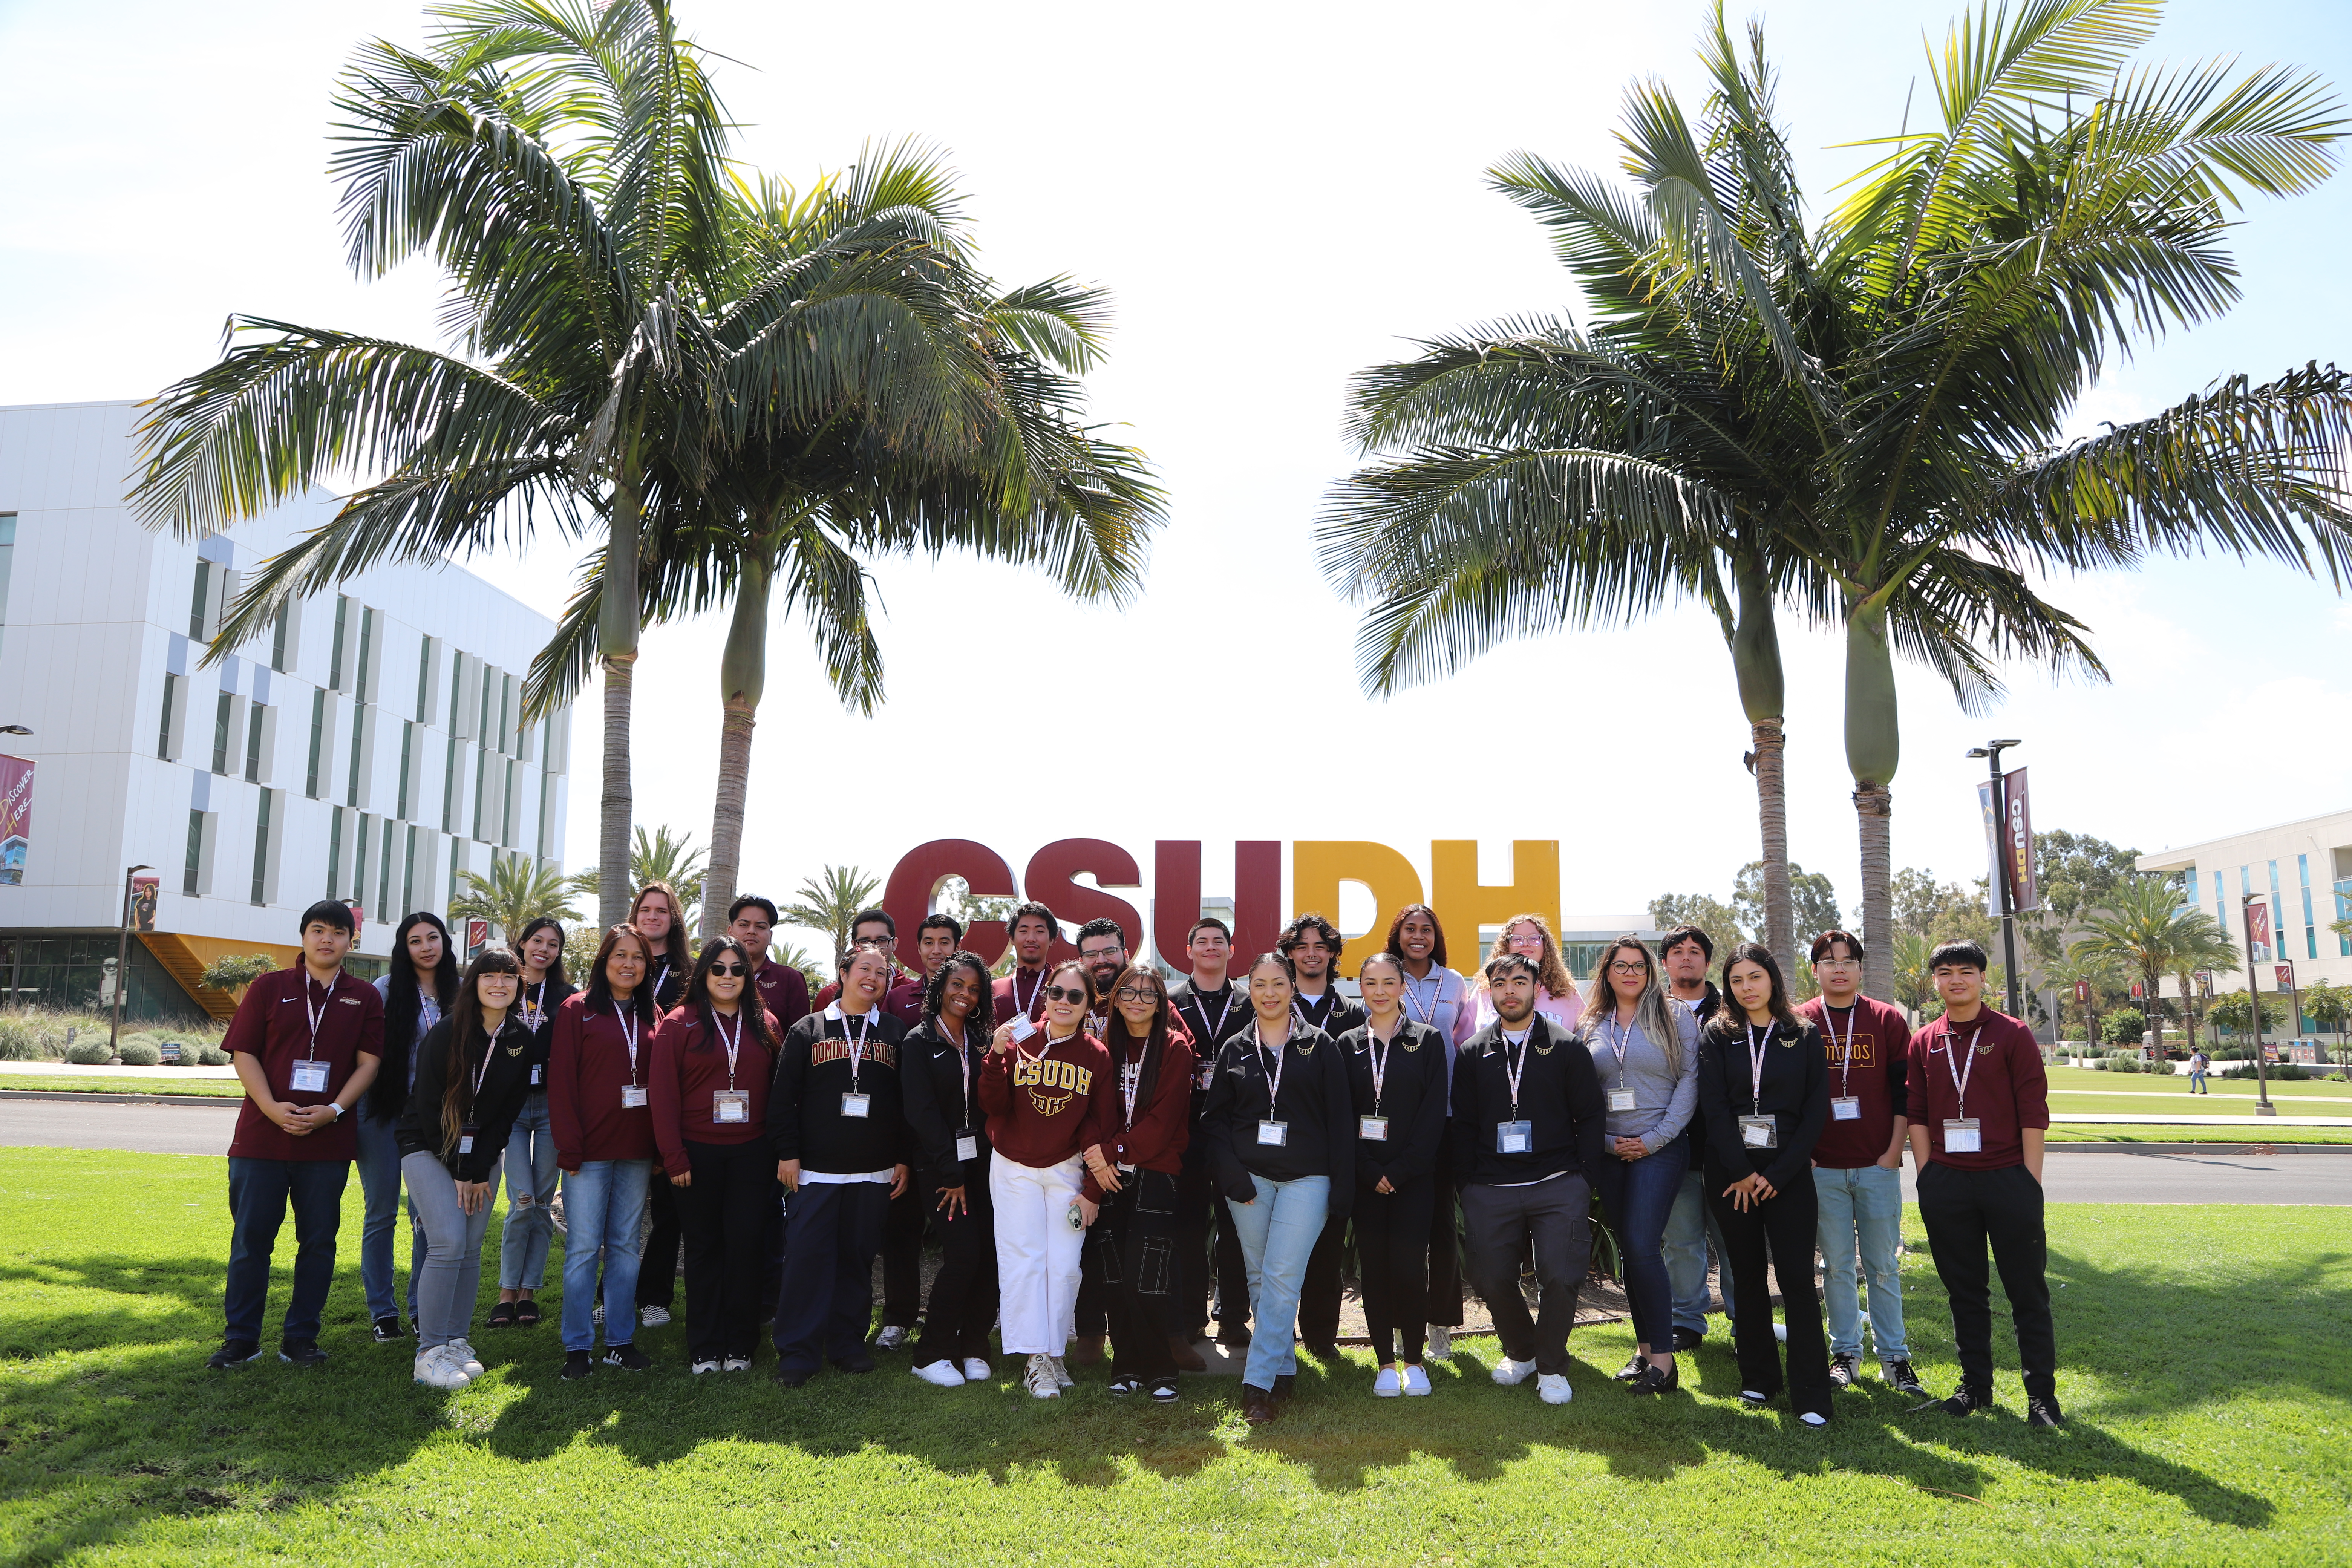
[2206, 1373]
[2078, 1080]
[2160, 1132]
[215, 1087]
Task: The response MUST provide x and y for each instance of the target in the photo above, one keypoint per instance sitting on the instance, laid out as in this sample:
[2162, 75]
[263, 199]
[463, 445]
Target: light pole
[1991, 752]
[122, 959]
[2262, 1106]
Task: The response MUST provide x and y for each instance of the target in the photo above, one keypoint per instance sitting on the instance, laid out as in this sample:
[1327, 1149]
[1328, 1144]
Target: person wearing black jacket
[529, 1165]
[940, 1078]
[1312, 945]
[660, 916]
[1685, 953]
[471, 1077]
[1132, 1246]
[1764, 1083]
[1396, 1069]
[1526, 1134]
[1281, 1129]
[420, 986]
[836, 1121]
[1212, 1010]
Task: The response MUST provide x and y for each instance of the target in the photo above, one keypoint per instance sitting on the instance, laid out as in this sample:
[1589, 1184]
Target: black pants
[725, 1217]
[1215, 1276]
[902, 1259]
[964, 1292]
[1965, 1212]
[1555, 1219]
[1132, 1251]
[1444, 1307]
[1392, 1251]
[658, 1274]
[1319, 1291]
[1783, 1226]
[830, 1239]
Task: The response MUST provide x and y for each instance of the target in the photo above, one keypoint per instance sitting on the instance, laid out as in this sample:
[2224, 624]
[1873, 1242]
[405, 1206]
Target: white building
[2300, 870]
[367, 747]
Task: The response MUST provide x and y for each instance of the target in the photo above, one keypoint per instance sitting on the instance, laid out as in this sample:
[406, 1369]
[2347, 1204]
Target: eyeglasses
[1621, 967]
[729, 968]
[1138, 994]
[1065, 993]
[1103, 955]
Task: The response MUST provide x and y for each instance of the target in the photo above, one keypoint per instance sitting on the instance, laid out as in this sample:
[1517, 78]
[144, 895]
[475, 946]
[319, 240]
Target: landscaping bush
[211, 1057]
[136, 1052]
[90, 1053]
[19, 1041]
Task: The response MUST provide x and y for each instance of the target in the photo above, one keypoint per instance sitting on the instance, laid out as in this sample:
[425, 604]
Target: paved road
[2072, 1178]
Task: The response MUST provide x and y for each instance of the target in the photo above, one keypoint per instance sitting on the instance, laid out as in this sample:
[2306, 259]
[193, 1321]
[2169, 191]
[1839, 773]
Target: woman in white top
[1530, 936]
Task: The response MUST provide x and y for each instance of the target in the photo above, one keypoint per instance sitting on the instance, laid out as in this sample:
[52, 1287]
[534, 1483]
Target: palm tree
[2144, 927]
[830, 901]
[518, 891]
[2083, 965]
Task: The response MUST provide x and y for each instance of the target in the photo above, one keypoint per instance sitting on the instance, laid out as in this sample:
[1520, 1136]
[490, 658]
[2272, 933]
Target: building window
[223, 724]
[281, 637]
[253, 744]
[359, 734]
[449, 790]
[171, 700]
[506, 815]
[383, 874]
[335, 654]
[481, 783]
[334, 849]
[2343, 890]
[261, 849]
[317, 739]
[201, 602]
[546, 799]
[359, 861]
[192, 873]
[408, 745]
[2310, 926]
[367, 643]
[408, 873]
[7, 559]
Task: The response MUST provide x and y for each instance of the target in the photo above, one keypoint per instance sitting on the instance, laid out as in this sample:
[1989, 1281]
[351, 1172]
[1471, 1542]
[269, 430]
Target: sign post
[145, 919]
[2258, 930]
[2009, 828]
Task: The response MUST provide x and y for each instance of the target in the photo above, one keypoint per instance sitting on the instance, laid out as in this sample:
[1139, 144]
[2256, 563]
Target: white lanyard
[1223, 1013]
[484, 1070]
[1845, 1050]
[1039, 984]
[316, 1015]
[857, 1045]
[1127, 1093]
[963, 1070]
[534, 1012]
[1514, 1073]
[1617, 1042]
[1273, 1071]
[1378, 1049]
[732, 1045]
[1437, 997]
[1756, 1067]
[626, 1019]
[1960, 1078]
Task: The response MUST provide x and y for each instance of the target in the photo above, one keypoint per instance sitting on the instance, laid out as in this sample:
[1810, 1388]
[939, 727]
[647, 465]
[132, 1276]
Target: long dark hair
[935, 991]
[1156, 1033]
[469, 1042]
[557, 987]
[747, 1006]
[1653, 1013]
[600, 990]
[402, 1005]
[1731, 1014]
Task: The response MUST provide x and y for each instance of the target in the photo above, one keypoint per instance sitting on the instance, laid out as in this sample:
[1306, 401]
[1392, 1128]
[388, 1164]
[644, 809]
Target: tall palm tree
[518, 891]
[2146, 928]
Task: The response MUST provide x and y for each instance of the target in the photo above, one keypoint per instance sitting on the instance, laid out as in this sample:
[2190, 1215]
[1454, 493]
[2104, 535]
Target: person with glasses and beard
[1102, 948]
[944, 1054]
[1138, 1167]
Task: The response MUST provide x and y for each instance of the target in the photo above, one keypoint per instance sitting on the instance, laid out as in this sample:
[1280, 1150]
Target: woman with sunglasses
[598, 1104]
[1400, 1077]
[530, 1162]
[1645, 1051]
[1134, 1246]
[944, 1053]
[472, 1074]
[714, 1059]
[1049, 1094]
[1530, 936]
[1281, 1128]
[419, 987]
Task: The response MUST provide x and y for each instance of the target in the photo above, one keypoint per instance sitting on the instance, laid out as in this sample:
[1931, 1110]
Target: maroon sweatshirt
[783, 991]
[1872, 1065]
[1155, 1137]
[273, 1026]
[689, 1067]
[2008, 1090]
[1044, 1110]
[587, 1067]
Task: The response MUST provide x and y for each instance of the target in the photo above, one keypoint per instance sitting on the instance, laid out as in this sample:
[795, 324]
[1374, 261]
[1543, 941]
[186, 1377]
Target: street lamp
[14, 730]
[122, 959]
[1991, 752]
[2262, 1106]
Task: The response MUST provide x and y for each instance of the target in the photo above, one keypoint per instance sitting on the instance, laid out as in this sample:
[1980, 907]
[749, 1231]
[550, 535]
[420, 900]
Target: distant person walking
[2198, 1062]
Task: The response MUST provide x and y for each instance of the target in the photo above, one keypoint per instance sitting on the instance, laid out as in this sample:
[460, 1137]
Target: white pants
[1037, 1254]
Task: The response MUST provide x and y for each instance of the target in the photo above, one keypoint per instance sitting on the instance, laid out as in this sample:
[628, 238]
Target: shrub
[90, 1053]
[136, 1052]
[2288, 1072]
[19, 1041]
[238, 969]
[2100, 1065]
[211, 1057]
[2120, 1062]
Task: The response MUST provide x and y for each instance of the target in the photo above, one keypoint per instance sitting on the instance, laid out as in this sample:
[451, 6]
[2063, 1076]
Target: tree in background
[829, 902]
[2098, 974]
[664, 857]
[2143, 927]
[2231, 1013]
[1813, 904]
[1723, 928]
[2329, 1005]
[239, 970]
[2127, 1027]
[518, 891]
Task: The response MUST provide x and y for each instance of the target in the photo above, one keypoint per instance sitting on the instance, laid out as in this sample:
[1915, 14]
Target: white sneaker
[1416, 1382]
[1511, 1374]
[702, 1366]
[892, 1337]
[652, 1316]
[735, 1364]
[1039, 1378]
[1552, 1388]
[433, 1370]
[941, 1374]
[1441, 1341]
[1387, 1386]
[462, 1355]
[1062, 1378]
[975, 1370]
[1780, 1332]
[596, 1314]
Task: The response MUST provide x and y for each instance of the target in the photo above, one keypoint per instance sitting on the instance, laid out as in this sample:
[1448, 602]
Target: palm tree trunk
[1872, 749]
[1763, 695]
[743, 674]
[616, 634]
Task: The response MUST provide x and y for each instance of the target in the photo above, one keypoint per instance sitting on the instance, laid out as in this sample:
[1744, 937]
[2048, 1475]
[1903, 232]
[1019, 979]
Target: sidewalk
[158, 1077]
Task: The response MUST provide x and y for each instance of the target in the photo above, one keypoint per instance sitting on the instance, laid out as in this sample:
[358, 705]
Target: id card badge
[1845, 1108]
[1372, 1129]
[1514, 1137]
[1621, 1100]
[1208, 1075]
[1273, 1134]
[632, 1096]
[535, 1071]
[465, 1141]
[968, 1144]
[310, 1078]
[1963, 1136]
[1022, 1027]
[1760, 1133]
[731, 1105]
[858, 1105]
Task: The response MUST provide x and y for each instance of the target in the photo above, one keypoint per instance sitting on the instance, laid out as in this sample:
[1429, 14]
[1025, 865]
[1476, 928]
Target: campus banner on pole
[1993, 855]
[2024, 879]
[144, 890]
[2258, 928]
[16, 818]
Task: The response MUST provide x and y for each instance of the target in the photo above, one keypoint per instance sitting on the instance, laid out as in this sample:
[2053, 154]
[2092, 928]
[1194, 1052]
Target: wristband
[336, 1107]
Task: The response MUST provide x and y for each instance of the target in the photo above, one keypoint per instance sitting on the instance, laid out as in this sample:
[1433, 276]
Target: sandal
[502, 1316]
[526, 1311]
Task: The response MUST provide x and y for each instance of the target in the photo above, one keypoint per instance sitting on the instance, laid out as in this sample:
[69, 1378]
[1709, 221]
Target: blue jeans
[1691, 1229]
[1639, 1195]
[1277, 1231]
[604, 1205]
[530, 1164]
[258, 1194]
[1865, 1208]
[2196, 1084]
[379, 1164]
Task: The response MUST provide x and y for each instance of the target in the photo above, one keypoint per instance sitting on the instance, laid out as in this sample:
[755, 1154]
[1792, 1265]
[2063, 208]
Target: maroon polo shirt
[273, 1026]
[1872, 1064]
[1021, 984]
[588, 1066]
[783, 990]
[2008, 1089]
[689, 1067]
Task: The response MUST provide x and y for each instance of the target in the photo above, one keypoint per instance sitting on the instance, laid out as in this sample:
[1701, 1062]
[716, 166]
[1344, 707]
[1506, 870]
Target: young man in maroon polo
[305, 1043]
[783, 990]
[938, 938]
[1858, 1163]
[1033, 931]
[1980, 1110]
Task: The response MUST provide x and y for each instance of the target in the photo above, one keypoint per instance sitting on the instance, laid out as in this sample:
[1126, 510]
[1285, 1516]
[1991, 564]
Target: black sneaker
[1965, 1401]
[628, 1358]
[1164, 1392]
[1754, 1399]
[388, 1328]
[789, 1376]
[1902, 1379]
[2043, 1412]
[1845, 1370]
[235, 1352]
[1285, 1384]
[1655, 1378]
[301, 1353]
[1632, 1368]
[1324, 1350]
[577, 1364]
[855, 1362]
[1688, 1340]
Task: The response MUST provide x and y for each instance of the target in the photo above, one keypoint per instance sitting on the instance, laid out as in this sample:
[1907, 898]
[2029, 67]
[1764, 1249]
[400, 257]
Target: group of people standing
[1107, 1162]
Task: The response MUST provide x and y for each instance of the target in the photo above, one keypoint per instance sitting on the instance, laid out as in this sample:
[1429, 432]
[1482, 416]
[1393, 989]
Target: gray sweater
[1664, 1101]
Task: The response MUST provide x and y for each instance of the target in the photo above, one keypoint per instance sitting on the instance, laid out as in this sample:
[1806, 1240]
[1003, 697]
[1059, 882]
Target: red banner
[2258, 928]
[16, 818]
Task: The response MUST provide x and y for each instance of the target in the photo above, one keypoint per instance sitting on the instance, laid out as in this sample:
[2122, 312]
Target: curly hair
[1552, 971]
[935, 992]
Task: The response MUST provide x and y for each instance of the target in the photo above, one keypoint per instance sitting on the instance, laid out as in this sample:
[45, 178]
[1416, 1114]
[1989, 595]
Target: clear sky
[1277, 195]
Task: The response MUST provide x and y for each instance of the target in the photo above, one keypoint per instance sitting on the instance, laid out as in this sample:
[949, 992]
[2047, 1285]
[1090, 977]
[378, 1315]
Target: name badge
[731, 1105]
[535, 1070]
[632, 1096]
[1621, 1100]
[466, 1140]
[858, 1105]
[1372, 1129]
[1845, 1108]
[1273, 1134]
[967, 1145]
[310, 1078]
[1963, 1136]
[1760, 1132]
[1514, 1137]
[1208, 1073]
[1022, 1027]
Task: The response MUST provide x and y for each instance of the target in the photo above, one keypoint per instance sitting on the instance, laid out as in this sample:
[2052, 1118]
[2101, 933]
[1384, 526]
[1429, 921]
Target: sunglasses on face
[1138, 994]
[729, 968]
[1065, 993]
